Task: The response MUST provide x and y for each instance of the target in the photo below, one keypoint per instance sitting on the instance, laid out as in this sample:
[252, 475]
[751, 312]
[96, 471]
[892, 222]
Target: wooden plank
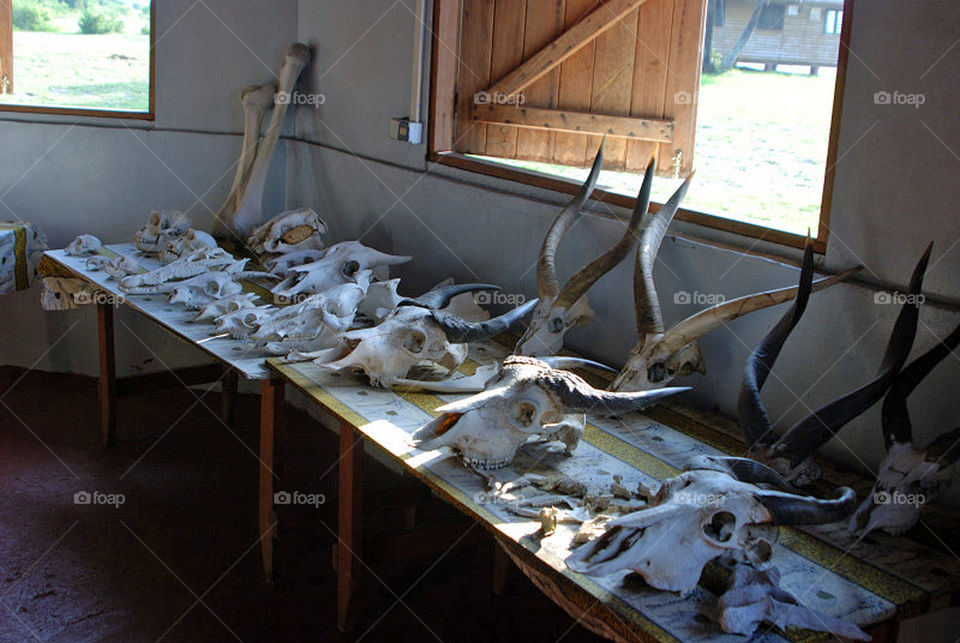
[475, 44]
[576, 75]
[568, 43]
[107, 381]
[570, 121]
[654, 20]
[543, 25]
[508, 26]
[683, 82]
[611, 90]
[349, 526]
[6, 46]
[444, 62]
[271, 401]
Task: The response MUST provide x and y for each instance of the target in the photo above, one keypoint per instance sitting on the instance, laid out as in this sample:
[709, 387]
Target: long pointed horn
[895, 415]
[743, 469]
[562, 362]
[809, 434]
[581, 282]
[751, 413]
[699, 324]
[579, 397]
[645, 302]
[548, 284]
[439, 297]
[459, 331]
[790, 509]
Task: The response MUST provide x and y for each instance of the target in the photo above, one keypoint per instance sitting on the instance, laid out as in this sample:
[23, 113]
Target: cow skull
[160, 224]
[230, 304]
[910, 476]
[695, 517]
[527, 398]
[197, 292]
[282, 265]
[83, 245]
[792, 453]
[289, 231]
[340, 264]
[240, 323]
[563, 308]
[418, 340]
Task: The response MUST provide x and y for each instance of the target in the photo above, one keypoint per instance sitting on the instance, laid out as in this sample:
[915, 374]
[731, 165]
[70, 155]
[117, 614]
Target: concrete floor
[179, 560]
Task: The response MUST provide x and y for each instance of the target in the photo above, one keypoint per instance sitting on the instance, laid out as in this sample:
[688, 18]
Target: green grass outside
[760, 152]
[70, 69]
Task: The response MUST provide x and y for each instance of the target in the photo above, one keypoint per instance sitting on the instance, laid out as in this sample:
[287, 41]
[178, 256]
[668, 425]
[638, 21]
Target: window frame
[440, 136]
[148, 115]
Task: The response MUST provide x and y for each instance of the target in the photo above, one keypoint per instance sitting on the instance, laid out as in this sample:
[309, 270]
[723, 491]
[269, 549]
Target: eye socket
[523, 414]
[721, 527]
[414, 341]
[212, 288]
[349, 268]
[656, 372]
[556, 325]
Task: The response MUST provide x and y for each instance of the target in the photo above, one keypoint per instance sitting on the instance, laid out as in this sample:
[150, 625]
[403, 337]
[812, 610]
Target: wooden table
[234, 358]
[872, 582]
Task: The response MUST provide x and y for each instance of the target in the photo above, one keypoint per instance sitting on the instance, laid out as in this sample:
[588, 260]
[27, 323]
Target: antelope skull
[289, 231]
[240, 323]
[563, 308]
[792, 453]
[328, 313]
[695, 517]
[418, 340]
[527, 398]
[910, 476]
[341, 263]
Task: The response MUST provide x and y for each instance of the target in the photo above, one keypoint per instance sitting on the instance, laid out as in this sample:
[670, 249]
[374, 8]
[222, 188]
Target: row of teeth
[485, 464]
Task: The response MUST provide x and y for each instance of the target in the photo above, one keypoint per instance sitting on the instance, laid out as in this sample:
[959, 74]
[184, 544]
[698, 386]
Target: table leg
[107, 384]
[271, 401]
[228, 394]
[502, 566]
[350, 537]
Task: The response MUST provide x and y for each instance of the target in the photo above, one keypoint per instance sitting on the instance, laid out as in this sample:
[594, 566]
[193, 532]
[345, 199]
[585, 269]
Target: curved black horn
[569, 363]
[809, 434]
[577, 396]
[790, 509]
[743, 469]
[895, 415]
[460, 331]
[441, 296]
[751, 413]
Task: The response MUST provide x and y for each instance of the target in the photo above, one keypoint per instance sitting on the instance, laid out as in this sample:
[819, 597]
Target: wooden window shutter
[628, 68]
[6, 47]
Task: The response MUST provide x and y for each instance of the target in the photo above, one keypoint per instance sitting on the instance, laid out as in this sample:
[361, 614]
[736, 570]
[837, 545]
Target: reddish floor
[178, 559]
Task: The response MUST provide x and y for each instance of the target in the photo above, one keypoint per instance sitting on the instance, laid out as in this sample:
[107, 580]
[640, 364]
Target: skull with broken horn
[695, 517]
[527, 398]
[418, 340]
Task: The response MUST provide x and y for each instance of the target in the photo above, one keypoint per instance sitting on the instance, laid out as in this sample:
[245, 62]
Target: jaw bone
[248, 213]
[792, 453]
[566, 307]
[910, 476]
[661, 355]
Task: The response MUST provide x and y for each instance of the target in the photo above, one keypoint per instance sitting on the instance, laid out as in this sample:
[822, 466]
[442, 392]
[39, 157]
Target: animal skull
[220, 307]
[240, 323]
[282, 264]
[197, 292]
[418, 340]
[563, 308]
[328, 313]
[173, 245]
[910, 476]
[527, 398]
[165, 223]
[83, 245]
[289, 231]
[340, 264]
[695, 517]
[191, 265]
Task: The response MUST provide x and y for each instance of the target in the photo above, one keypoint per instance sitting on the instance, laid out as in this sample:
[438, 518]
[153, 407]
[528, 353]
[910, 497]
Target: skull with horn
[563, 308]
[660, 354]
[418, 340]
[695, 517]
[792, 453]
[909, 476]
[528, 397]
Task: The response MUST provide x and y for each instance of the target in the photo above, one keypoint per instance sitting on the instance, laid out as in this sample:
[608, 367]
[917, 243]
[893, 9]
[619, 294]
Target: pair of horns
[548, 284]
[460, 330]
[806, 436]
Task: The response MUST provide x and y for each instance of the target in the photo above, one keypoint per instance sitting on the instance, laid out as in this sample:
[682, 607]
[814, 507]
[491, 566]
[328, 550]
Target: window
[771, 17]
[85, 57]
[833, 21]
[528, 94]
